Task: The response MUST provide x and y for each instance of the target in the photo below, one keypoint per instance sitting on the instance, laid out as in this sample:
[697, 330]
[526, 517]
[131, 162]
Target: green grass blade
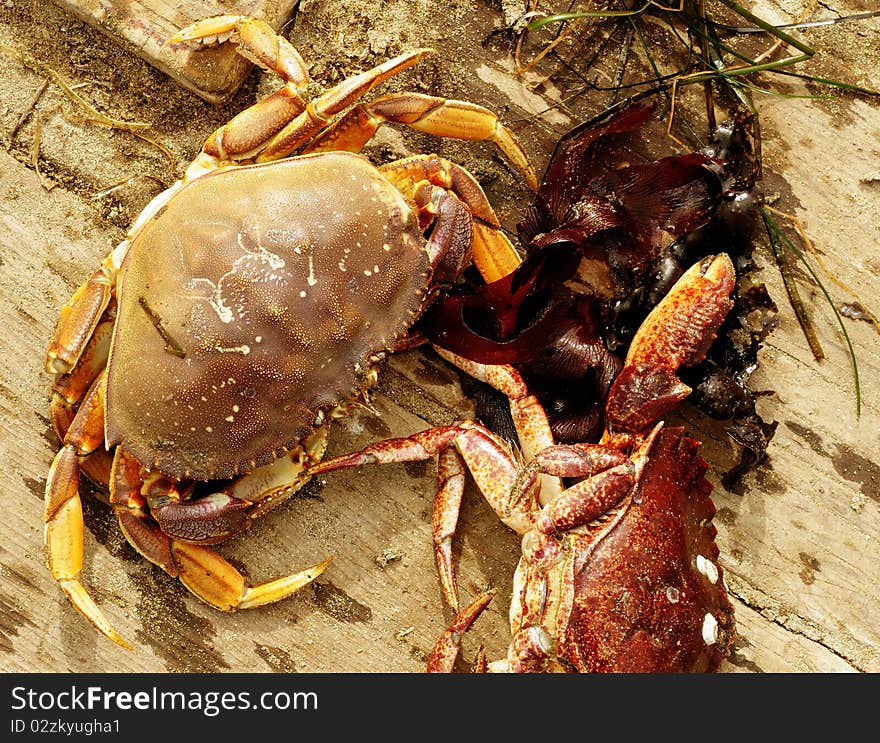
[800, 256]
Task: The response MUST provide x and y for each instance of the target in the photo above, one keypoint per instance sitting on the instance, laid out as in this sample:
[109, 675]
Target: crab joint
[541, 551]
[586, 500]
[533, 643]
[205, 520]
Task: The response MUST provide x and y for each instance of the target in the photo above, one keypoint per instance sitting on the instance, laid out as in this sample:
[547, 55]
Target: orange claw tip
[86, 605]
[205, 30]
[720, 269]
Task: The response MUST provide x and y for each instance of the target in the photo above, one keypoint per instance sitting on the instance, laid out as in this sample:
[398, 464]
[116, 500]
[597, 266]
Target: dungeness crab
[619, 569]
[247, 307]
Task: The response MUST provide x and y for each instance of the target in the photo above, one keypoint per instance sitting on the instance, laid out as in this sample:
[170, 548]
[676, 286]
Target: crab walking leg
[63, 509]
[447, 647]
[444, 518]
[529, 418]
[492, 253]
[440, 117]
[465, 445]
[72, 385]
[78, 319]
[95, 465]
[83, 312]
[488, 459]
[590, 498]
[256, 41]
[282, 121]
[565, 460]
[320, 110]
[70, 388]
[64, 538]
[203, 571]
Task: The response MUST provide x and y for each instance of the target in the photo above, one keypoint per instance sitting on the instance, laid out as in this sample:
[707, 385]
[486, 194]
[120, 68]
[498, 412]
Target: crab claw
[678, 332]
[682, 327]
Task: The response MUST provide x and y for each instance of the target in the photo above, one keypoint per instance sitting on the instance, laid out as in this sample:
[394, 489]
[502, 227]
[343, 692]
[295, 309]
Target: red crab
[619, 571]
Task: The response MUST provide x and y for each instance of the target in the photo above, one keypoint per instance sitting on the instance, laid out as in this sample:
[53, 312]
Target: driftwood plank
[799, 539]
[143, 26]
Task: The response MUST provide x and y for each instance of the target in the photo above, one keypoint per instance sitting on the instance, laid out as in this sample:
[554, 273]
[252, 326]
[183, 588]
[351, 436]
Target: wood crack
[838, 642]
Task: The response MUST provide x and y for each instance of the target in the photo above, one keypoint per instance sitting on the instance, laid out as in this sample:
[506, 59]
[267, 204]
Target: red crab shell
[641, 596]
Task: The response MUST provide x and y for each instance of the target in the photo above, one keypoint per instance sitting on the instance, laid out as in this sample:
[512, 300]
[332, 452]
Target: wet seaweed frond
[791, 289]
[712, 56]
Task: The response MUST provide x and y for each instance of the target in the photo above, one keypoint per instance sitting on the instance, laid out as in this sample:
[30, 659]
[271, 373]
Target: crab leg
[69, 388]
[439, 117]
[444, 518]
[565, 460]
[95, 465]
[203, 571]
[73, 385]
[529, 418]
[493, 254]
[257, 41]
[319, 112]
[463, 445]
[279, 123]
[447, 647]
[63, 509]
[78, 320]
[488, 458]
[472, 446]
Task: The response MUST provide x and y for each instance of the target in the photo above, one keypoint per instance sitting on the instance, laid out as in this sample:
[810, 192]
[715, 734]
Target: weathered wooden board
[800, 539]
[143, 26]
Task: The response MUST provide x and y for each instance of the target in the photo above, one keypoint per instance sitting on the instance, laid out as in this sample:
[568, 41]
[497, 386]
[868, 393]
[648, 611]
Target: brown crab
[619, 570]
[247, 307]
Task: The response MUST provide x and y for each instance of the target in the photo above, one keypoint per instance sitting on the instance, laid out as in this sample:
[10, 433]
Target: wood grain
[143, 26]
[799, 539]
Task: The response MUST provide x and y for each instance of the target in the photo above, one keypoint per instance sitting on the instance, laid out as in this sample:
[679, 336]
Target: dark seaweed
[634, 229]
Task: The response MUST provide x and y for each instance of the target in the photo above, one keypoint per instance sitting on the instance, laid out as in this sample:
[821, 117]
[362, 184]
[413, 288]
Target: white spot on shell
[303, 294]
[707, 568]
[235, 408]
[673, 594]
[710, 629]
[243, 350]
[311, 278]
[208, 429]
[230, 419]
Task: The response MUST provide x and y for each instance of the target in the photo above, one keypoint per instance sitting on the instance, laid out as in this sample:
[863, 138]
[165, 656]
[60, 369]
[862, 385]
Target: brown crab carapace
[199, 367]
[619, 569]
